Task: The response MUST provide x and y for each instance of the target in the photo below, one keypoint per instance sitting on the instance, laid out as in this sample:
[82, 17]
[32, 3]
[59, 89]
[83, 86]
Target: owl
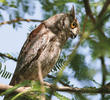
[44, 45]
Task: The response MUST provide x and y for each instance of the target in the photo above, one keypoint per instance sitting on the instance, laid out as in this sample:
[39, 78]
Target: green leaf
[0, 65]
[61, 97]
[80, 96]
[4, 73]
[36, 85]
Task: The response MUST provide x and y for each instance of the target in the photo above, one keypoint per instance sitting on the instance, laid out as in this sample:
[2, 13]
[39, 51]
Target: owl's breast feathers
[41, 45]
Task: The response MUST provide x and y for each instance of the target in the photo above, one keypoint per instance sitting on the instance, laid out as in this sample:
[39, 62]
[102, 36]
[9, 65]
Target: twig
[105, 6]
[4, 87]
[88, 10]
[89, 13]
[8, 56]
[104, 73]
[20, 19]
[84, 25]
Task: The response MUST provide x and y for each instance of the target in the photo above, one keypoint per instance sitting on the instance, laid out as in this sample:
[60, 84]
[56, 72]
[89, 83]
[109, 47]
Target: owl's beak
[74, 36]
[74, 33]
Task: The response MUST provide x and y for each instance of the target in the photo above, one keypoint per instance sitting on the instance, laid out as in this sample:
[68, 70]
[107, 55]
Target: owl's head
[71, 24]
[64, 22]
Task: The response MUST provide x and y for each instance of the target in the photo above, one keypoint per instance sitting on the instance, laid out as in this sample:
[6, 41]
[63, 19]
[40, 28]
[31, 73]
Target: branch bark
[8, 56]
[88, 10]
[106, 4]
[20, 19]
[90, 14]
[104, 73]
[104, 89]
[4, 87]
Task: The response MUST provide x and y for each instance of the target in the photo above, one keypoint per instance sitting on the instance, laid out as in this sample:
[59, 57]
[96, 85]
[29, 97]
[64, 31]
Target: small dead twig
[8, 56]
[20, 19]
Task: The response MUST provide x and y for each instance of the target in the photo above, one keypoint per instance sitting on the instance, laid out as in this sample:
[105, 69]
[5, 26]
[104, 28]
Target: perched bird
[44, 45]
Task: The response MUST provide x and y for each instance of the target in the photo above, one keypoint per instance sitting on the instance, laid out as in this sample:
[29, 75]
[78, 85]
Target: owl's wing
[32, 48]
[34, 36]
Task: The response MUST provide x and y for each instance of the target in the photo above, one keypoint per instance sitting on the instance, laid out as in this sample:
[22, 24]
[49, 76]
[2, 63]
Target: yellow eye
[73, 25]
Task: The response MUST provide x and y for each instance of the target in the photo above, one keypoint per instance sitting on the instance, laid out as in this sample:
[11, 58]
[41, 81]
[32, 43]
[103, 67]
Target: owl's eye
[73, 25]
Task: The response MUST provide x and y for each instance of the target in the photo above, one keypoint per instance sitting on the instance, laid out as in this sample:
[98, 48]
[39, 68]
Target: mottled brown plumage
[44, 45]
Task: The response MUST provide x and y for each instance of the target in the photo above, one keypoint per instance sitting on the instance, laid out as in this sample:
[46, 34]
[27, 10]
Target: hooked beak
[74, 33]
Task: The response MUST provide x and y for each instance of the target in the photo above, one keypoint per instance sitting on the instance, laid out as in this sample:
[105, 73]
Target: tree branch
[89, 13]
[20, 19]
[4, 87]
[106, 4]
[104, 73]
[7, 56]
[88, 10]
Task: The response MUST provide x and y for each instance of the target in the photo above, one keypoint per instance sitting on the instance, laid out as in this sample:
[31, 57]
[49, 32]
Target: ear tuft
[72, 12]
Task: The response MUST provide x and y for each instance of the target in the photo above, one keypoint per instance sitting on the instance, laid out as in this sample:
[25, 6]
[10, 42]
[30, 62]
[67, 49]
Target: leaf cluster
[4, 73]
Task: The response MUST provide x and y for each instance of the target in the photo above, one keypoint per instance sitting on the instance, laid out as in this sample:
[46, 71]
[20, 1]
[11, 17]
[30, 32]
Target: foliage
[4, 73]
[61, 97]
[79, 66]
